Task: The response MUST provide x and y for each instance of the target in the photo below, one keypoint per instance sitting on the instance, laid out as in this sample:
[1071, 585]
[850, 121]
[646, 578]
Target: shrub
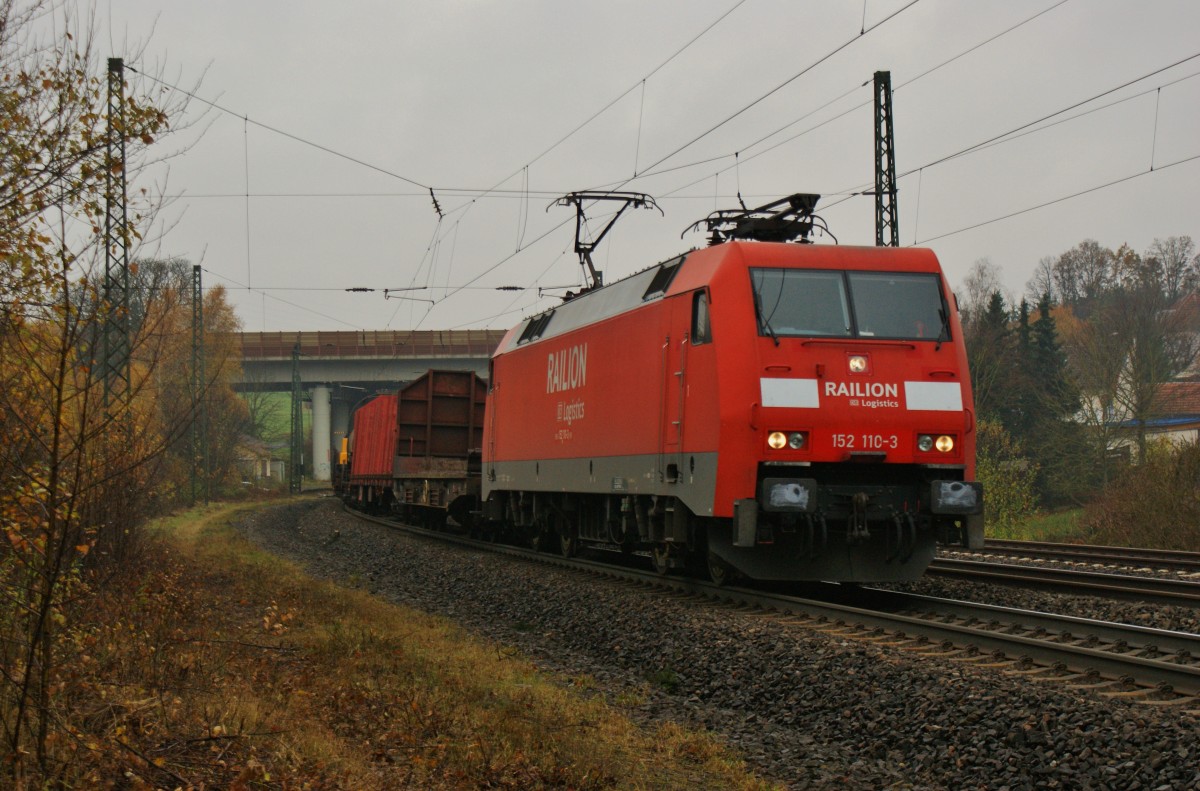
[1008, 478]
[1153, 504]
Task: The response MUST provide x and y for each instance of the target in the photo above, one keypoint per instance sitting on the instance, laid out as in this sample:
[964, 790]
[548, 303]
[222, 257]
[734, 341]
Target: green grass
[1057, 526]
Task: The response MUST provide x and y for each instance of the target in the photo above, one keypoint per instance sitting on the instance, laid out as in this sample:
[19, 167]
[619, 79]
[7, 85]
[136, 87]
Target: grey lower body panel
[689, 477]
[886, 556]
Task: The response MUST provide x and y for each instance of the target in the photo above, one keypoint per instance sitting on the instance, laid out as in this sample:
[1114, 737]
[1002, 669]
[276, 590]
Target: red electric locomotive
[775, 410]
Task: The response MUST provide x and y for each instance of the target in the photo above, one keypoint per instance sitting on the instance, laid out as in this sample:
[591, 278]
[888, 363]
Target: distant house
[1175, 413]
[255, 460]
[1174, 417]
[1189, 308]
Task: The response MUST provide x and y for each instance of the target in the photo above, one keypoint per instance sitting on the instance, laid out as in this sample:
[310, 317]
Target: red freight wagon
[783, 411]
[438, 447]
[371, 450]
[417, 453]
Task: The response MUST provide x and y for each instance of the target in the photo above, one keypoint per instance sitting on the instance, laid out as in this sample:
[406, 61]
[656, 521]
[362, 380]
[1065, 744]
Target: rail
[1177, 560]
[1122, 586]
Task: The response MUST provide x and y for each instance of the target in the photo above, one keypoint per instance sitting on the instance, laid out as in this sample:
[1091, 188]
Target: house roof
[1176, 399]
[253, 445]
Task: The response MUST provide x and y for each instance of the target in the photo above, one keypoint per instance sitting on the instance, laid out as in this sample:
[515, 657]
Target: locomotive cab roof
[673, 276]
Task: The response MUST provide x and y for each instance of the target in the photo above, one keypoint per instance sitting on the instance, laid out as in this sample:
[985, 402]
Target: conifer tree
[991, 357]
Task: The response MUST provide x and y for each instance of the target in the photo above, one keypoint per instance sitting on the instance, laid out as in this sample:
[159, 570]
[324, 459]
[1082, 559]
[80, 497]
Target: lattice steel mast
[199, 391]
[887, 231]
[115, 341]
[296, 473]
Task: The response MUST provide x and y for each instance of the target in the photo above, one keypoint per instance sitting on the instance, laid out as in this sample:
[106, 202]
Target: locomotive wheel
[661, 555]
[568, 544]
[720, 572]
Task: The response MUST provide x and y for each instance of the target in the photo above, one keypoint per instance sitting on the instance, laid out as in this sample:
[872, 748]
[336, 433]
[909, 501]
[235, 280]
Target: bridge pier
[362, 362]
[320, 433]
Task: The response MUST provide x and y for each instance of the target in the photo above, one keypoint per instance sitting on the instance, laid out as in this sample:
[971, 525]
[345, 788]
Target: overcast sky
[337, 117]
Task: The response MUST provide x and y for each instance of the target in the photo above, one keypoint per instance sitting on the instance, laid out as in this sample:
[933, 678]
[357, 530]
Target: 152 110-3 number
[866, 441]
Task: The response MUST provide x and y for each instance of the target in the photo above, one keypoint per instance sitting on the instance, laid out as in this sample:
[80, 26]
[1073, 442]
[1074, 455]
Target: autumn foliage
[80, 468]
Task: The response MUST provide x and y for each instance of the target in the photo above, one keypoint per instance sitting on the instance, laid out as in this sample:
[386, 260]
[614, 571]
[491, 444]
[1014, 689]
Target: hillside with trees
[1070, 385]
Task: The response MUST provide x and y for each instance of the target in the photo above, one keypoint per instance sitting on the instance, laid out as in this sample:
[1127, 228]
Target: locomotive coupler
[857, 532]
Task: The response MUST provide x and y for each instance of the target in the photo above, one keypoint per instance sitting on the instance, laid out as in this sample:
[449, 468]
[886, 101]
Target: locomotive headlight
[858, 363]
[797, 440]
[944, 443]
[777, 440]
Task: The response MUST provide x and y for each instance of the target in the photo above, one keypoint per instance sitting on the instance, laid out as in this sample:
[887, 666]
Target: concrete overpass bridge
[340, 369]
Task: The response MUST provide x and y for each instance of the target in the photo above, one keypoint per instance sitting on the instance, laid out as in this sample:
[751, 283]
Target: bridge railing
[371, 343]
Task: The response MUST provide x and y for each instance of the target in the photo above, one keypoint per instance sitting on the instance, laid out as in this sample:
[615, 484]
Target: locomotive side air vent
[662, 278]
[535, 328]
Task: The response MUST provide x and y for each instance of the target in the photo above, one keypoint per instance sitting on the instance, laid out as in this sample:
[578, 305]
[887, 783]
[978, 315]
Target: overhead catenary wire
[640, 83]
[779, 87]
[283, 133]
[785, 83]
[741, 155]
[759, 141]
[1154, 135]
[617, 99]
[266, 296]
[1089, 111]
[580, 126]
[429, 187]
[1060, 199]
[1023, 129]
[1067, 109]
[1031, 127]
[521, 193]
[246, 164]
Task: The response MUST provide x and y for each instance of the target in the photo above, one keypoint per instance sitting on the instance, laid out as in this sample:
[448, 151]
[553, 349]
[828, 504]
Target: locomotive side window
[701, 331]
[894, 305]
[800, 302]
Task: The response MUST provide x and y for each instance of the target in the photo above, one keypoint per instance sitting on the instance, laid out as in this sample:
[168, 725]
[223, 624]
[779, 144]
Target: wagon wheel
[661, 554]
[568, 543]
[537, 541]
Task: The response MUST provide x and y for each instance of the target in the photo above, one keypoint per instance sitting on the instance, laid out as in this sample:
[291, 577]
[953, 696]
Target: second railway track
[1156, 559]
[1160, 590]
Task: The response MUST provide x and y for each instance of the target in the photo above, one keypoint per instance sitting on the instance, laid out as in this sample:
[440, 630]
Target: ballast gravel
[805, 709]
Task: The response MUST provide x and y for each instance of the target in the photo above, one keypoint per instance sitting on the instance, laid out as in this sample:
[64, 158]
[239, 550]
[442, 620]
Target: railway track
[1173, 560]
[1152, 666]
[1159, 590]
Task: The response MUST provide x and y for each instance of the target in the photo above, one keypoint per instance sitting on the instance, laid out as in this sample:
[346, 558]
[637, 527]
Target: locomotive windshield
[822, 303]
